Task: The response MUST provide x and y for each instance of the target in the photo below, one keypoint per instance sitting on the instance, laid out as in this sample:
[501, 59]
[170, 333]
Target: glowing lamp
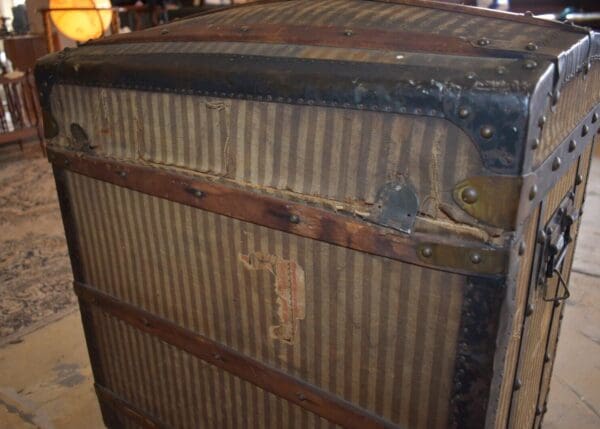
[81, 25]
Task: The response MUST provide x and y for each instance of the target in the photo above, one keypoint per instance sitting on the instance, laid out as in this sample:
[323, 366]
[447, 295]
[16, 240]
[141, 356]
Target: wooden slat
[283, 215]
[281, 384]
[105, 396]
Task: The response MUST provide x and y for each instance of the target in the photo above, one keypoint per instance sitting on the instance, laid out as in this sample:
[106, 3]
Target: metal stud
[484, 41]
[295, 218]
[487, 132]
[530, 64]
[197, 193]
[531, 46]
[427, 252]
[529, 309]
[572, 145]
[476, 258]
[244, 28]
[164, 31]
[301, 397]
[535, 144]
[122, 173]
[533, 192]
[528, 13]
[518, 384]
[547, 357]
[538, 411]
[542, 120]
[541, 237]
[555, 97]
[471, 75]
[463, 112]
[470, 195]
[501, 70]
[348, 32]
[556, 163]
[522, 248]
[578, 179]
[585, 130]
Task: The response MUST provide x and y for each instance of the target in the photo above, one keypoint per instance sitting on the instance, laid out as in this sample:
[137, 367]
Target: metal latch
[555, 241]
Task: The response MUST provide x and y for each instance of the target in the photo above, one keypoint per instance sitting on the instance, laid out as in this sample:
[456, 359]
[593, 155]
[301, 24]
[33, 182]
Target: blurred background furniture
[20, 114]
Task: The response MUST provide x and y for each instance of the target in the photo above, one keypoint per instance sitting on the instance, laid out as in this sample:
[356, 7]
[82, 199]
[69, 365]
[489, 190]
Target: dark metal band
[284, 215]
[296, 391]
[125, 409]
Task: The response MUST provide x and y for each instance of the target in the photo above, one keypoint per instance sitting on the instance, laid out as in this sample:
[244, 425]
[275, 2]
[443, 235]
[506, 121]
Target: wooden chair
[20, 113]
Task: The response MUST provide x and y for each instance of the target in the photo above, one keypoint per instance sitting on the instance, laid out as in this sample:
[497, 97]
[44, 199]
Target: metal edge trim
[284, 215]
[473, 374]
[270, 379]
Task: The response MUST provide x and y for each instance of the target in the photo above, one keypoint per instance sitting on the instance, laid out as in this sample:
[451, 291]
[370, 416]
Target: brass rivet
[531, 46]
[463, 112]
[542, 120]
[556, 163]
[530, 64]
[585, 130]
[578, 179]
[484, 41]
[535, 144]
[522, 248]
[469, 195]
[476, 258]
[294, 218]
[427, 252]
[486, 132]
[533, 192]
[348, 32]
[518, 384]
[529, 309]
[123, 173]
[197, 193]
[572, 145]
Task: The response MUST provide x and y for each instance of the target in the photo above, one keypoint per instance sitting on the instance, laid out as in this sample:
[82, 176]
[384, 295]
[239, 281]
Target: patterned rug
[35, 273]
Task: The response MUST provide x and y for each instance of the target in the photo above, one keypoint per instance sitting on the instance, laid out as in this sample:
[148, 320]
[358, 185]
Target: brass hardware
[463, 112]
[487, 132]
[469, 195]
[426, 252]
[479, 260]
[494, 200]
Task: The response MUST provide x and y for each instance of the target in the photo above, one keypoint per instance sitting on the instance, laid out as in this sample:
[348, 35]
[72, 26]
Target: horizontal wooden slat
[307, 396]
[126, 409]
[283, 215]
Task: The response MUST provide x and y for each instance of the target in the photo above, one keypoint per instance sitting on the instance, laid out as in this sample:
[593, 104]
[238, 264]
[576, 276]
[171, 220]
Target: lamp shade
[78, 24]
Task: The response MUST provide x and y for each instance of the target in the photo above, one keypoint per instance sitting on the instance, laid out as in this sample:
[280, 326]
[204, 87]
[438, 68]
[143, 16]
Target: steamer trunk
[324, 214]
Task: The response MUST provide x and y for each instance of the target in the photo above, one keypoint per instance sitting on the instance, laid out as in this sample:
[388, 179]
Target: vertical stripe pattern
[376, 332]
[338, 154]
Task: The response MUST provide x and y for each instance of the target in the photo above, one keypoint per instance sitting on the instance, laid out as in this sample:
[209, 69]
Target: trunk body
[324, 214]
